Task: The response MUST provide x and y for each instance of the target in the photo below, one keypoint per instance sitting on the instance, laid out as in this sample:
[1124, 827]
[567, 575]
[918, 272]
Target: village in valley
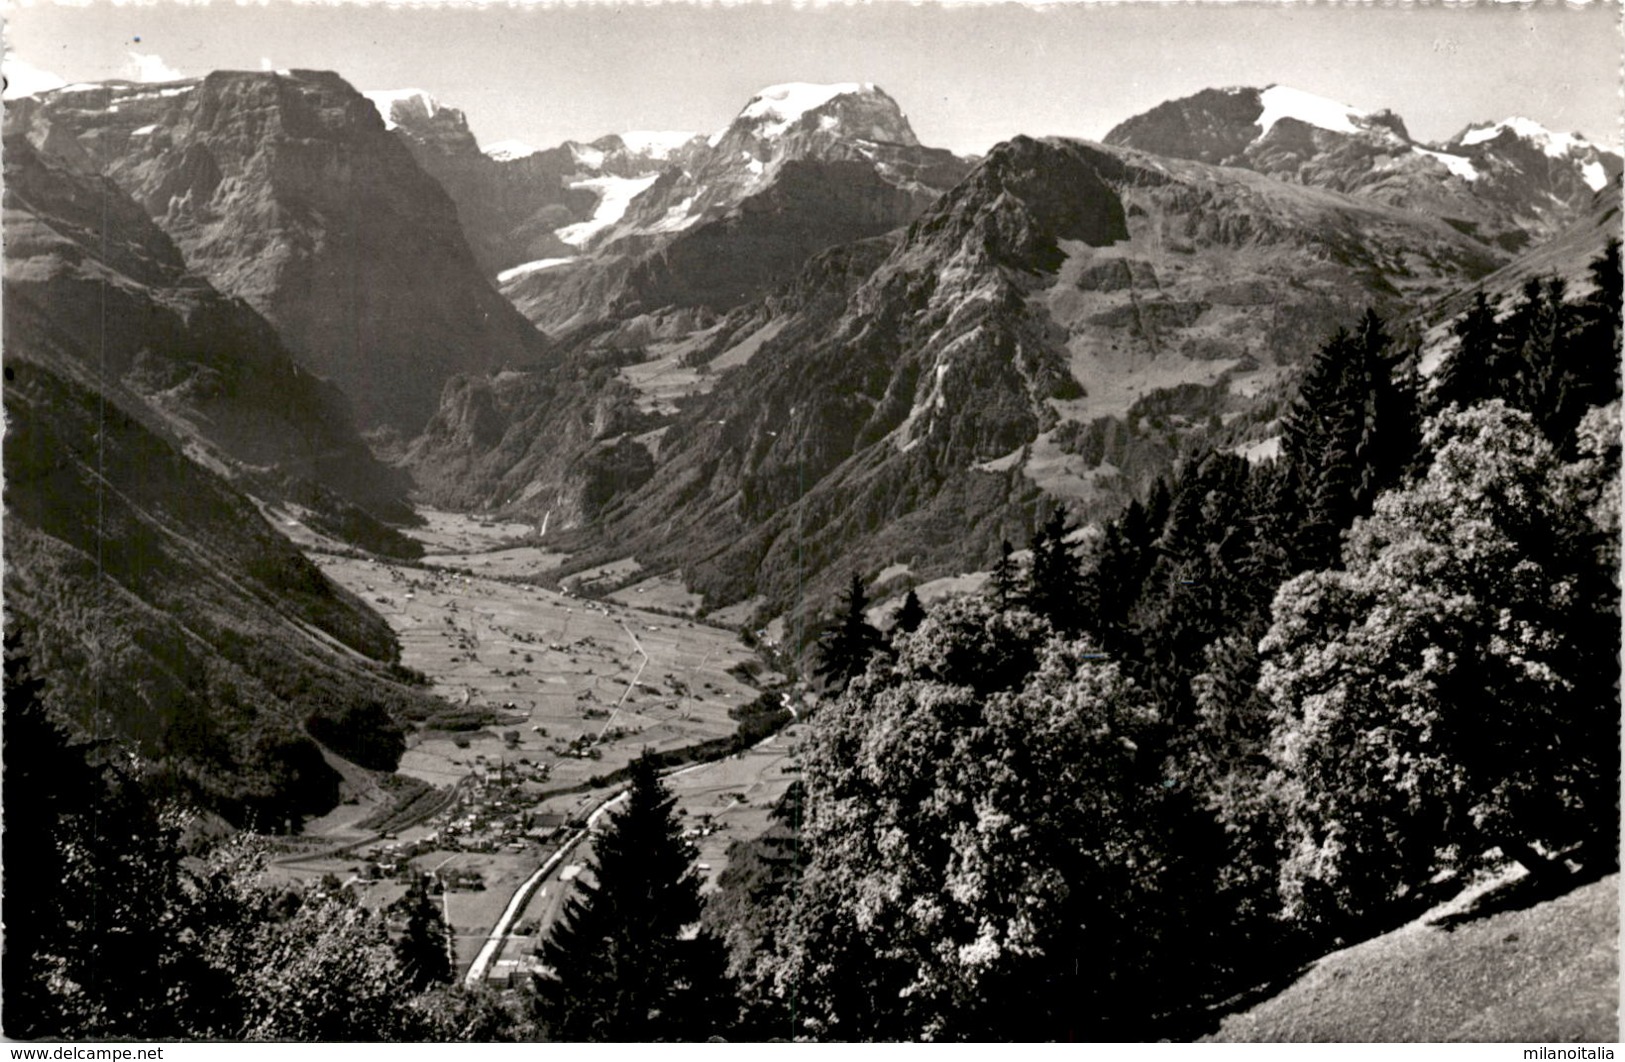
[550, 693]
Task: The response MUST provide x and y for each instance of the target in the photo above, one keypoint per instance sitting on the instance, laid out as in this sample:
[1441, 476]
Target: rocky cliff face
[96, 292]
[288, 192]
[1509, 183]
[510, 206]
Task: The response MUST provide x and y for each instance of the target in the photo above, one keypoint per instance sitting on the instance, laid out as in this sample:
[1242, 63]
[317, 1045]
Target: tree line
[1268, 710]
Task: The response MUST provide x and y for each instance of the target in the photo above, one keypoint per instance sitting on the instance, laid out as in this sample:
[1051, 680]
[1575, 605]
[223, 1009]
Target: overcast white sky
[967, 75]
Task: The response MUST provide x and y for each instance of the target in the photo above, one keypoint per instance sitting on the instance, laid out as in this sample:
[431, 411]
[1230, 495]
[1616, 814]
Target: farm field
[549, 671]
[451, 533]
[738, 795]
[518, 562]
[665, 593]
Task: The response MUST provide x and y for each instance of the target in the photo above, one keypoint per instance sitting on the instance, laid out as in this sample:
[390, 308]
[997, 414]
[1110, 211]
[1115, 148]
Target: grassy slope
[1547, 973]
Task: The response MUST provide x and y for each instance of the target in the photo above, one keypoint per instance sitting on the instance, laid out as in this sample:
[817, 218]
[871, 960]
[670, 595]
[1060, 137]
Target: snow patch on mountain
[1593, 175]
[1456, 164]
[586, 156]
[655, 144]
[508, 150]
[386, 99]
[532, 267]
[676, 218]
[615, 195]
[1281, 101]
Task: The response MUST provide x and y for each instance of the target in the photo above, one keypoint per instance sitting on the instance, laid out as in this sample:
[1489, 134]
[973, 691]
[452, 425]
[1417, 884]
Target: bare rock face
[508, 207]
[288, 192]
[95, 291]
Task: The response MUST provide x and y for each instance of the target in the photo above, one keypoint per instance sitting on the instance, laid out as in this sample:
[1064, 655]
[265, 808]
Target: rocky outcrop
[286, 190]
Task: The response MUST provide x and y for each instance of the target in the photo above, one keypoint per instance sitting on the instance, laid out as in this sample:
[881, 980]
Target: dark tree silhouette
[910, 614]
[618, 966]
[424, 947]
[1351, 433]
[1551, 357]
[1055, 583]
[849, 640]
[1005, 576]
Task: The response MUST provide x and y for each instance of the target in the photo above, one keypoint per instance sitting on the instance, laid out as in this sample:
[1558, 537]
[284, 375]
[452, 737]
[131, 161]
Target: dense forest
[1269, 709]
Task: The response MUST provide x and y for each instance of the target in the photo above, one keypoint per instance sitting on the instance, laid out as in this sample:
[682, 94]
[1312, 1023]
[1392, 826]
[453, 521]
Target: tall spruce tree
[618, 965]
[1350, 433]
[424, 947]
[1055, 582]
[1550, 356]
[849, 640]
[1474, 371]
[1005, 576]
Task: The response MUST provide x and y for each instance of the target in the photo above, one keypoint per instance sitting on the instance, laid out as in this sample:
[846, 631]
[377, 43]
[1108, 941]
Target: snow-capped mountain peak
[656, 144]
[1594, 162]
[1555, 145]
[852, 110]
[778, 107]
[412, 99]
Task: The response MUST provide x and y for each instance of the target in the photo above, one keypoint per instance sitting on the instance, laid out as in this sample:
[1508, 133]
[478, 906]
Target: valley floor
[556, 677]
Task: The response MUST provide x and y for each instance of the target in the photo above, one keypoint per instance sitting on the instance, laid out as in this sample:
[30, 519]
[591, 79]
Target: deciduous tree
[1452, 689]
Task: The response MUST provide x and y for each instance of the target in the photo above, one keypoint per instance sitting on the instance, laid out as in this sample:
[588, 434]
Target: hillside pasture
[1545, 973]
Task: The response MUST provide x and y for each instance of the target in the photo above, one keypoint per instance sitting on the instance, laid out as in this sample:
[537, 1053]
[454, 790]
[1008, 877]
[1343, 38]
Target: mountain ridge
[1519, 185]
[286, 191]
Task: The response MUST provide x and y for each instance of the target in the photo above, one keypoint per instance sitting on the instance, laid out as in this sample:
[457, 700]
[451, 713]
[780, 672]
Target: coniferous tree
[1005, 576]
[849, 640]
[910, 614]
[1473, 371]
[1594, 362]
[1550, 357]
[1350, 433]
[618, 966]
[424, 949]
[1055, 581]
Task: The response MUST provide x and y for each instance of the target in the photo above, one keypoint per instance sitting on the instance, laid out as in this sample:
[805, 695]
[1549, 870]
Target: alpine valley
[322, 416]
